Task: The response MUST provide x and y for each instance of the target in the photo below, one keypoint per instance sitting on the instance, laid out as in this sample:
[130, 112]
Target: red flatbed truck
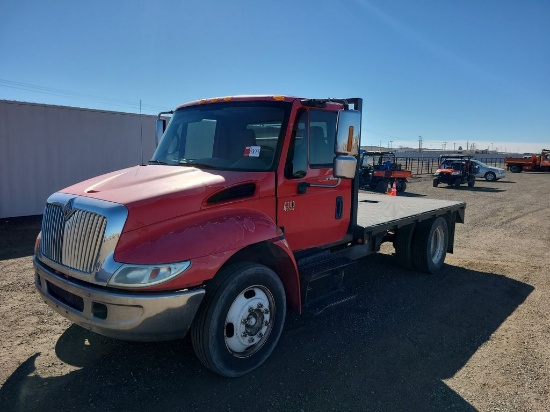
[248, 206]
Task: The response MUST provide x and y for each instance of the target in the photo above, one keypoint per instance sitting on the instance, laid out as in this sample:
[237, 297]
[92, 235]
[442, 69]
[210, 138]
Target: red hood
[155, 193]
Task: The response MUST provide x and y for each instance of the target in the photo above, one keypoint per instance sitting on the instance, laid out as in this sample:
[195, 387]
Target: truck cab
[249, 205]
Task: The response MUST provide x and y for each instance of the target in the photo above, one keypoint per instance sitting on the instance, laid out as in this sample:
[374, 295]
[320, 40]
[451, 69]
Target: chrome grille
[75, 242]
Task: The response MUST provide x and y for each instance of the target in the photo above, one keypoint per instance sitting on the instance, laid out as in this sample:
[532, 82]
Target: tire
[429, 245]
[471, 181]
[515, 169]
[382, 186]
[401, 186]
[240, 319]
[490, 176]
[435, 181]
[403, 246]
[457, 182]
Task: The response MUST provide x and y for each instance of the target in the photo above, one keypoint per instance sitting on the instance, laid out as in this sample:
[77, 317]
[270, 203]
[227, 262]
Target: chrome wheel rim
[437, 244]
[249, 321]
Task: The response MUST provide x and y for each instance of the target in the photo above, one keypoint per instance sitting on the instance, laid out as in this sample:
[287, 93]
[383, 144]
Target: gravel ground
[475, 337]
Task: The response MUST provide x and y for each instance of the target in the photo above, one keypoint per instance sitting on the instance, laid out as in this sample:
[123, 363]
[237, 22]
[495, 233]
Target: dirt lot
[475, 337]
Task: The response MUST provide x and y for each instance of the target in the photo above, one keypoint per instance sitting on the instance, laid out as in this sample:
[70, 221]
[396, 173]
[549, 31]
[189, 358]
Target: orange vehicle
[378, 169]
[539, 162]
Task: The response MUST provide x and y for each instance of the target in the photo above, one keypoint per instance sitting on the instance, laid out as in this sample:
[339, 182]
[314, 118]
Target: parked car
[489, 173]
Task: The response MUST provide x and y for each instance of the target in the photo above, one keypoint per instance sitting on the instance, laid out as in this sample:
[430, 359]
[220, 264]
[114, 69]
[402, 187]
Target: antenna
[141, 131]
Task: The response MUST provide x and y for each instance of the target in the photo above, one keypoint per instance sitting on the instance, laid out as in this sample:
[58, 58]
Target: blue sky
[450, 71]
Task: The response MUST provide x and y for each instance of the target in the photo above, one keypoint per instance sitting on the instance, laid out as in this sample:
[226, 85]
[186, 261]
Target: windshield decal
[252, 151]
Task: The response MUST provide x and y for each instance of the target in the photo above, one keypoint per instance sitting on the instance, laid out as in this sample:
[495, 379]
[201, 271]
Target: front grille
[75, 242]
[69, 299]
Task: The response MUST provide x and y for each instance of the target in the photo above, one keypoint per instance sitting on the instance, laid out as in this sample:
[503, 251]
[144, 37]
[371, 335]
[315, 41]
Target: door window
[322, 134]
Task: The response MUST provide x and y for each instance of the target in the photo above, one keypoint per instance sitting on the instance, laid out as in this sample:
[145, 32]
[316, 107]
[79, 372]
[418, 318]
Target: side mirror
[161, 127]
[346, 146]
[345, 167]
[348, 133]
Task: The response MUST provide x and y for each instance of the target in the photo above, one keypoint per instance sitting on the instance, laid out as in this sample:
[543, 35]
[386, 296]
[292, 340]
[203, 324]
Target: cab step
[321, 277]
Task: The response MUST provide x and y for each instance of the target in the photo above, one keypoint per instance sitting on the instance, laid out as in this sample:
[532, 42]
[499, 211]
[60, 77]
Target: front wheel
[382, 186]
[490, 176]
[457, 182]
[240, 320]
[471, 181]
[401, 186]
[435, 182]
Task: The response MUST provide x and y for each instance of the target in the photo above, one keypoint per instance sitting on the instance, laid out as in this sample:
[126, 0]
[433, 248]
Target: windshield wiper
[185, 162]
[157, 162]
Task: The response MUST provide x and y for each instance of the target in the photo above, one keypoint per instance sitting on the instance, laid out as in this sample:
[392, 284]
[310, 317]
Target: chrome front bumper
[120, 315]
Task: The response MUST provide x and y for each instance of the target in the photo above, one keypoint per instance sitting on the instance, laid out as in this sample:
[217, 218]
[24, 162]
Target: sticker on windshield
[252, 151]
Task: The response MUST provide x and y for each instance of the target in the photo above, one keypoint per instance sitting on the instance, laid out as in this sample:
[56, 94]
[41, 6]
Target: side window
[322, 133]
[296, 166]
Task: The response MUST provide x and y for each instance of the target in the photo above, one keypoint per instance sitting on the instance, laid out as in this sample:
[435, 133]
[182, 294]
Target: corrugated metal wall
[46, 148]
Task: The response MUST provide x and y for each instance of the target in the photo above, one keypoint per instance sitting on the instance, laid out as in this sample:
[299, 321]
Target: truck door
[313, 207]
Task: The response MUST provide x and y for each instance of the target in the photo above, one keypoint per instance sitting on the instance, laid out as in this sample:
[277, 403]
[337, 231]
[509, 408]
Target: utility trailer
[249, 206]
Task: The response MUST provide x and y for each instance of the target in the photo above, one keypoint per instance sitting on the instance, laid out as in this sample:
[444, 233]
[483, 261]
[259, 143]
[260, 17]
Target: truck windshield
[227, 136]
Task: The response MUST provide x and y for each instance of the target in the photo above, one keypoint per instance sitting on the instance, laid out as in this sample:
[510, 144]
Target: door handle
[339, 207]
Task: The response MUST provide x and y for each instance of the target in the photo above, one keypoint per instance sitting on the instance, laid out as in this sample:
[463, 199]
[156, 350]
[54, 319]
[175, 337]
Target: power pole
[419, 144]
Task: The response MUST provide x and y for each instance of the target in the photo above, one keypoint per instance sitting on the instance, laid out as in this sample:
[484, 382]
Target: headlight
[138, 276]
[436, 174]
[455, 173]
[37, 243]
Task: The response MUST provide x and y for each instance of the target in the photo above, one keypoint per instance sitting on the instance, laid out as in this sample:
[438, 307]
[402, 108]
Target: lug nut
[260, 305]
[250, 340]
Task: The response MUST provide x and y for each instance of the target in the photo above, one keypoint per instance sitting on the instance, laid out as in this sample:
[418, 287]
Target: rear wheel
[430, 243]
[240, 320]
[471, 181]
[403, 246]
[515, 168]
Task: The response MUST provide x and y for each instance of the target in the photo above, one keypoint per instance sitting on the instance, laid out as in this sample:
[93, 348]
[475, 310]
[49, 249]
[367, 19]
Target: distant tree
[459, 147]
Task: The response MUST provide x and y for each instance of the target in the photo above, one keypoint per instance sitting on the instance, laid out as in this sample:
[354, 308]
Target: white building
[45, 148]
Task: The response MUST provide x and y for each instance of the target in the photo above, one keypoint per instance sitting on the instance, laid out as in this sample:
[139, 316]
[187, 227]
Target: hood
[154, 193]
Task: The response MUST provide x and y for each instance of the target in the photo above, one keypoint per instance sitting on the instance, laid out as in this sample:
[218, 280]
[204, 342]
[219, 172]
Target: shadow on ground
[390, 348]
[474, 189]
[17, 236]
